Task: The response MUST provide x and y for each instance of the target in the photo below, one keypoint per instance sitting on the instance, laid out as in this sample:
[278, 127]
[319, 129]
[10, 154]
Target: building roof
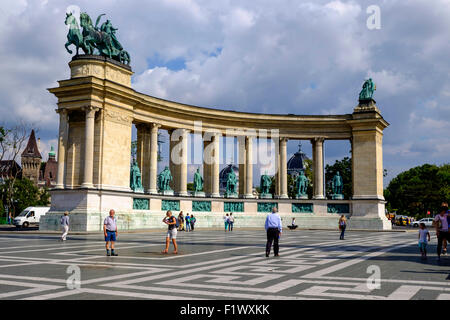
[9, 168]
[297, 162]
[31, 150]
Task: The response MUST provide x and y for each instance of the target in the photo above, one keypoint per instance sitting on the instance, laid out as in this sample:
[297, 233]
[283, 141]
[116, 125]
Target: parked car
[428, 222]
[30, 216]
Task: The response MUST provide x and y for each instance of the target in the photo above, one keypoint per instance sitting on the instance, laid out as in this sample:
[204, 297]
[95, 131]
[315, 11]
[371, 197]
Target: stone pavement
[219, 265]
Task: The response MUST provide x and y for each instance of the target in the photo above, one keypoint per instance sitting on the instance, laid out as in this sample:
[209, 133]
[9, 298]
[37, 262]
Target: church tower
[31, 160]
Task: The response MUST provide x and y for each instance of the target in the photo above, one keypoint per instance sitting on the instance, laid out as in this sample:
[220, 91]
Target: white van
[29, 216]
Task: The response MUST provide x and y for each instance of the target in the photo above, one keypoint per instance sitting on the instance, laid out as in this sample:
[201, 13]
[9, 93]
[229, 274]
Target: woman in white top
[225, 220]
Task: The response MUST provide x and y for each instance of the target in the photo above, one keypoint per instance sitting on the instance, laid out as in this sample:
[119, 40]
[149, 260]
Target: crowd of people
[273, 227]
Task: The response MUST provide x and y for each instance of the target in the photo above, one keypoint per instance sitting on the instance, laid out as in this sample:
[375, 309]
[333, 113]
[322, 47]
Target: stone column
[242, 166]
[62, 144]
[317, 145]
[143, 153]
[89, 147]
[153, 158]
[215, 167]
[248, 167]
[182, 189]
[283, 169]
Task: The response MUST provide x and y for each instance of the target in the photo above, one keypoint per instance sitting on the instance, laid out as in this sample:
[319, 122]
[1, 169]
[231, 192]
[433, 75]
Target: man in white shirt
[110, 232]
[274, 228]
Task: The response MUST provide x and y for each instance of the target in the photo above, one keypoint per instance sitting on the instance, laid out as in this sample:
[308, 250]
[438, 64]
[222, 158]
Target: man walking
[65, 225]
[441, 225]
[230, 222]
[110, 232]
[274, 229]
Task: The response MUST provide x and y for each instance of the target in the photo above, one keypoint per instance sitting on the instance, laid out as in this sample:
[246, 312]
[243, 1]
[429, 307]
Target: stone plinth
[199, 194]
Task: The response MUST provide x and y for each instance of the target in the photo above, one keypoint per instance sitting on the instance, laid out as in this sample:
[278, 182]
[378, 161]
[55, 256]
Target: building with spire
[43, 174]
[31, 160]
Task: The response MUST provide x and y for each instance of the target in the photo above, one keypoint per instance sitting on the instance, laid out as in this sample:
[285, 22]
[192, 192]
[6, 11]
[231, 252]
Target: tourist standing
[181, 221]
[441, 225]
[342, 226]
[110, 232]
[230, 222]
[65, 225]
[293, 226]
[225, 220]
[193, 221]
[171, 221]
[273, 228]
[187, 221]
[424, 238]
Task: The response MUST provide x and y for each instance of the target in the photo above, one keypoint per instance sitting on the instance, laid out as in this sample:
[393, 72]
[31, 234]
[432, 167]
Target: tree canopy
[344, 167]
[418, 190]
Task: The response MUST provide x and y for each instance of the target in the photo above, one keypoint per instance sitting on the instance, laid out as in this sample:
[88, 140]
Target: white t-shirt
[423, 235]
[444, 222]
[226, 218]
[231, 219]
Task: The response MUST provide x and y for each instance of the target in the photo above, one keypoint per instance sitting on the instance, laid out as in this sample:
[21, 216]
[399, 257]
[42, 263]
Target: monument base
[266, 196]
[231, 196]
[167, 193]
[88, 209]
[199, 194]
[302, 197]
[337, 197]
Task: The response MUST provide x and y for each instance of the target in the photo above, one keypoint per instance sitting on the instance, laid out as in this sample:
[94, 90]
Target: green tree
[25, 194]
[418, 190]
[344, 167]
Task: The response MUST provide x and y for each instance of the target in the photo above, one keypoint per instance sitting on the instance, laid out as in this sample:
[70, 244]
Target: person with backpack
[187, 222]
[193, 220]
[342, 226]
[181, 221]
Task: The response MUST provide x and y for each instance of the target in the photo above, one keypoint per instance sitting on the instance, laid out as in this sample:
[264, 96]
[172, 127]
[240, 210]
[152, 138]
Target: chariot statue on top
[95, 40]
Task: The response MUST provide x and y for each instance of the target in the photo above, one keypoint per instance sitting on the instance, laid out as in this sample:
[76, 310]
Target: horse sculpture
[74, 36]
[94, 40]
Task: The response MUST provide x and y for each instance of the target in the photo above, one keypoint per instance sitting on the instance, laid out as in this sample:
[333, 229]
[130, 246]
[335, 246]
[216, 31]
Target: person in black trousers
[274, 229]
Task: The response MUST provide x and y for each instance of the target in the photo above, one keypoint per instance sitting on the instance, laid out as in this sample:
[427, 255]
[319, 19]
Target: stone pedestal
[302, 197]
[337, 197]
[231, 196]
[199, 194]
[266, 196]
[167, 193]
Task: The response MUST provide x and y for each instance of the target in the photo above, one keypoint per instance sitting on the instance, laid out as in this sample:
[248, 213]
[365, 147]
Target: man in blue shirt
[274, 229]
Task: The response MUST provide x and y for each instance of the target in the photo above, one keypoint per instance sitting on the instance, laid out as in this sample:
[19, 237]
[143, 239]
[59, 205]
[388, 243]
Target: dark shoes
[112, 253]
[267, 254]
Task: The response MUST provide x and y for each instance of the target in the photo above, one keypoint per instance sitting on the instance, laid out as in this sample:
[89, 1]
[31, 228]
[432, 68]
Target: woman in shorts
[171, 221]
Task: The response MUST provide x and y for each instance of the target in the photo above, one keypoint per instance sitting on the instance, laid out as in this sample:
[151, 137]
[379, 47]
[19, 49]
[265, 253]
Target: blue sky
[284, 56]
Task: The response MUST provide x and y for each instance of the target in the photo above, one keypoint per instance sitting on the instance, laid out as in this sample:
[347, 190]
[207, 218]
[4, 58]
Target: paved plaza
[219, 265]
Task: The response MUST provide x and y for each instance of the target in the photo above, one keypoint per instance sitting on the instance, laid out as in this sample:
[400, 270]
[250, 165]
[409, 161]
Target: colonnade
[147, 159]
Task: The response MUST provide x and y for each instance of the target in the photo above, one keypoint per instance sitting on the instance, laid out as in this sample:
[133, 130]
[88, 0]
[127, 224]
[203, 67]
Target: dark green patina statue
[135, 178]
[164, 179]
[301, 183]
[265, 184]
[337, 185]
[198, 181]
[94, 40]
[367, 91]
[231, 184]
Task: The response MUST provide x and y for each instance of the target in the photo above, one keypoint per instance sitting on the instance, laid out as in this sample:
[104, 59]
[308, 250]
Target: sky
[285, 56]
